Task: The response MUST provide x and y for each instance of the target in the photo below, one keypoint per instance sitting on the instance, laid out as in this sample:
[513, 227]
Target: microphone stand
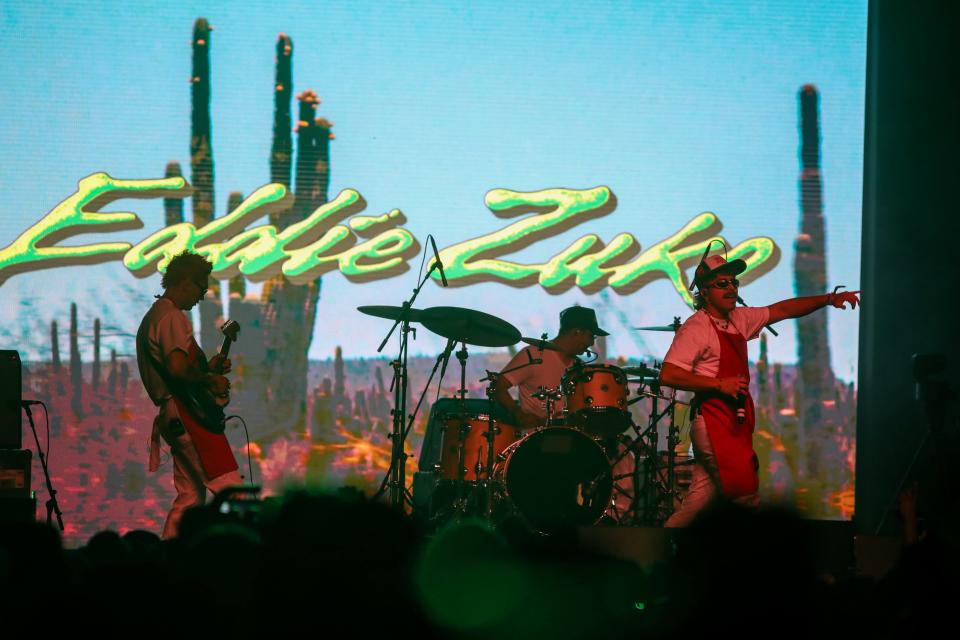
[52, 506]
[768, 327]
[395, 478]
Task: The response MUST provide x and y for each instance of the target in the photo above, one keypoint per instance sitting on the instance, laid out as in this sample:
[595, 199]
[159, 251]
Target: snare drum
[596, 397]
[556, 477]
[464, 444]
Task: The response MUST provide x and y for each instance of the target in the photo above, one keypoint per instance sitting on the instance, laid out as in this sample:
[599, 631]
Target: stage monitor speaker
[11, 417]
[15, 471]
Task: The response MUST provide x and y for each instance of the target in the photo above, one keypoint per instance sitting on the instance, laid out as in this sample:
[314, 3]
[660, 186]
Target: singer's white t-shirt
[696, 347]
[529, 379]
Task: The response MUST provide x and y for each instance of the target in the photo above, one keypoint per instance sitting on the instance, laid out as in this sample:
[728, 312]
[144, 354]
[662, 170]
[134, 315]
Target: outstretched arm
[797, 307]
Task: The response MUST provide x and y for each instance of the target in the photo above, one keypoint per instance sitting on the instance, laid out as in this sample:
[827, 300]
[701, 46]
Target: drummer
[578, 330]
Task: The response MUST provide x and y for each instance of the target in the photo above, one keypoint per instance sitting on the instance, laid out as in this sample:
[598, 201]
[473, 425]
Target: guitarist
[168, 356]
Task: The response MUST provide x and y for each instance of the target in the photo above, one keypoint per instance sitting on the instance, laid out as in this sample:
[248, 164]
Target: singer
[578, 330]
[709, 357]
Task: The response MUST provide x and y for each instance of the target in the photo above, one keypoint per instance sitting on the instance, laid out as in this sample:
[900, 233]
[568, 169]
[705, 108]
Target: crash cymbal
[390, 312]
[473, 327]
[543, 345]
[665, 327]
[673, 326]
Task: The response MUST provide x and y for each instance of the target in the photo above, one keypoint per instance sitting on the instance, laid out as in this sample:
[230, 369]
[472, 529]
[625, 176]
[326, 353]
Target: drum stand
[462, 501]
[652, 500]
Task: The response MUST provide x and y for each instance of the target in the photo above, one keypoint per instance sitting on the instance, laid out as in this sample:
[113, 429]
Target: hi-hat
[469, 326]
[390, 312]
[641, 370]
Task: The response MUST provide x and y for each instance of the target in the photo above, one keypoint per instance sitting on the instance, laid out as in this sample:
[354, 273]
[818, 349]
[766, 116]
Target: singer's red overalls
[732, 441]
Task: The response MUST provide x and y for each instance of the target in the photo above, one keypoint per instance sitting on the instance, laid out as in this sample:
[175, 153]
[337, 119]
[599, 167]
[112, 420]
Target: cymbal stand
[491, 434]
[549, 395]
[395, 478]
[652, 487]
[462, 357]
[646, 501]
[673, 439]
[636, 446]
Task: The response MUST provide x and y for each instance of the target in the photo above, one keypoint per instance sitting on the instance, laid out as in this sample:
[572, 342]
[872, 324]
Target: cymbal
[665, 327]
[466, 325]
[390, 312]
[673, 326]
[641, 370]
[543, 345]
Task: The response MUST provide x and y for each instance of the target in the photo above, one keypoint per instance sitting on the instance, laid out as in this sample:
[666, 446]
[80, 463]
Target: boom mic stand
[52, 506]
[395, 478]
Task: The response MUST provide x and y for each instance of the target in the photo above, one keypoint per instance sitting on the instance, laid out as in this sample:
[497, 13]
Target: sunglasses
[723, 284]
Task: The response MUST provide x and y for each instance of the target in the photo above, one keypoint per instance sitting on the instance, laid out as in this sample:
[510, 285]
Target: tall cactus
[96, 354]
[238, 284]
[173, 207]
[281, 152]
[55, 346]
[201, 144]
[201, 153]
[124, 378]
[339, 379]
[815, 374]
[289, 310]
[810, 269]
[76, 379]
[112, 376]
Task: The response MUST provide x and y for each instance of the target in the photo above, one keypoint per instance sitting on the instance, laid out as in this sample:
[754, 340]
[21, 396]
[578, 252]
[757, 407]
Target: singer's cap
[713, 265]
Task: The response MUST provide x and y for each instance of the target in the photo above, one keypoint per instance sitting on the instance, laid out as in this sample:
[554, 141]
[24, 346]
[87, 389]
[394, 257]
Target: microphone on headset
[702, 259]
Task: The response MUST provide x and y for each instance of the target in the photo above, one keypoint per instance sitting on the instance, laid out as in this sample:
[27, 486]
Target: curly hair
[698, 300]
[184, 266]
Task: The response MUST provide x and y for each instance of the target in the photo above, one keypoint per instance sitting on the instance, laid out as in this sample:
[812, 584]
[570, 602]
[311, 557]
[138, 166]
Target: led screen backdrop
[560, 153]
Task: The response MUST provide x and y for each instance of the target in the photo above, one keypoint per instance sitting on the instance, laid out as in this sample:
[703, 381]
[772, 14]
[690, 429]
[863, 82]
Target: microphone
[446, 355]
[436, 256]
[741, 408]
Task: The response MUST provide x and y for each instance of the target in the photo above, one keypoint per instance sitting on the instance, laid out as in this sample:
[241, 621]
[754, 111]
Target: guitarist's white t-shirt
[164, 329]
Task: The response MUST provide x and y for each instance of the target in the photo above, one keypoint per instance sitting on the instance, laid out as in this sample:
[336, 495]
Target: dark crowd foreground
[337, 563]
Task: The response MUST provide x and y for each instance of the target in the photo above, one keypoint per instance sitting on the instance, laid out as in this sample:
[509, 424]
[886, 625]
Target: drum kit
[588, 463]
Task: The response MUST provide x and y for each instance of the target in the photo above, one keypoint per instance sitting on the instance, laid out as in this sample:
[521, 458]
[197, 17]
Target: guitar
[204, 405]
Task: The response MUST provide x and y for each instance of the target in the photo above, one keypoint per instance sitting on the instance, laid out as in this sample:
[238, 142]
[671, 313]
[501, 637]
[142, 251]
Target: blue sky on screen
[678, 107]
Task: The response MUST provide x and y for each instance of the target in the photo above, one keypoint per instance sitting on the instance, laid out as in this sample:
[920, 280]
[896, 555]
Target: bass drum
[556, 478]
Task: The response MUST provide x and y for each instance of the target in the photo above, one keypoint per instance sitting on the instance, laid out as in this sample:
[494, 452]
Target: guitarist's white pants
[189, 478]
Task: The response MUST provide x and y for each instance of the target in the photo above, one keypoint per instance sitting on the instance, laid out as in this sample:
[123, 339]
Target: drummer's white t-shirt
[529, 379]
